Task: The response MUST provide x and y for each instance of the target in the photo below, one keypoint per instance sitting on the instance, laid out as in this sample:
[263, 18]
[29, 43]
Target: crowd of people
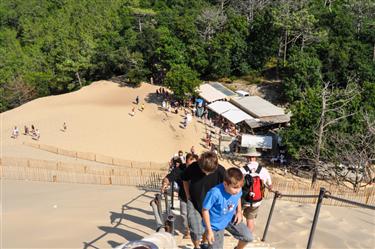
[32, 131]
[214, 199]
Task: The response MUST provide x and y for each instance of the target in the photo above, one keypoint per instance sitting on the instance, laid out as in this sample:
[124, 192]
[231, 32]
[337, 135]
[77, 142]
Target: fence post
[276, 195]
[316, 216]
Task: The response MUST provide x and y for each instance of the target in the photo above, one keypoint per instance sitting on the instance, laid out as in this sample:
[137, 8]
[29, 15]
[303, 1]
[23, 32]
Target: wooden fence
[54, 171]
[282, 185]
[89, 156]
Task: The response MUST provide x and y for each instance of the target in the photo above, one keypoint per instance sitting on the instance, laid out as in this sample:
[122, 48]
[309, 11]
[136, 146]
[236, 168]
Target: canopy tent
[210, 94]
[221, 106]
[264, 142]
[257, 106]
[236, 116]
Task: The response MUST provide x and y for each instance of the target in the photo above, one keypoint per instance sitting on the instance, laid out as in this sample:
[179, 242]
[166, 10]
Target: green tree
[182, 80]
[302, 71]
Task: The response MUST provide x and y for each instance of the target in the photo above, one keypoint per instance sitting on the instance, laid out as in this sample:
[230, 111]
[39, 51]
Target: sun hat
[252, 152]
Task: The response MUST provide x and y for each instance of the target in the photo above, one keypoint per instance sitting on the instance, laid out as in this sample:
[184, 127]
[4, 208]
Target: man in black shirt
[198, 179]
[175, 177]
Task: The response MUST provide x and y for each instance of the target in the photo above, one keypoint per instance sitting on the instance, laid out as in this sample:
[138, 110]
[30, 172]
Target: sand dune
[48, 215]
[99, 121]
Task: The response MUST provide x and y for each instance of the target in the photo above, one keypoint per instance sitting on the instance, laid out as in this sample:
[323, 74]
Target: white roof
[242, 93]
[257, 106]
[221, 106]
[236, 115]
[209, 93]
[256, 141]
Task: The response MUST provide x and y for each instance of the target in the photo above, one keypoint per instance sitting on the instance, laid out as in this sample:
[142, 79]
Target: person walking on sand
[133, 111]
[36, 135]
[142, 107]
[15, 132]
[64, 127]
[26, 130]
[137, 100]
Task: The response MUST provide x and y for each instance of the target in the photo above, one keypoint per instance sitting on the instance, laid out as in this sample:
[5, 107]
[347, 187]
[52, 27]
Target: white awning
[221, 106]
[236, 115]
[210, 94]
[264, 142]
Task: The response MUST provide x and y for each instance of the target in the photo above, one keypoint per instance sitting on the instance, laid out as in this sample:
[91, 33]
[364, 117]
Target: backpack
[253, 188]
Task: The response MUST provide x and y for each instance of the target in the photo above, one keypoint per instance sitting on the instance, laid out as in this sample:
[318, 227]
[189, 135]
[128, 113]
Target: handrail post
[316, 216]
[158, 203]
[167, 205]
[169, 224]
[172, 194]
[155, 210]
[277, 194]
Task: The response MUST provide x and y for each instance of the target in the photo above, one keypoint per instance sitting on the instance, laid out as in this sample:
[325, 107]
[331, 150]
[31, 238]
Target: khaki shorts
[250, 212]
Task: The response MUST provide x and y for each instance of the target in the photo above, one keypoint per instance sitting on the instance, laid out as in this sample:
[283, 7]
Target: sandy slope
[98, 119]
[47, 215]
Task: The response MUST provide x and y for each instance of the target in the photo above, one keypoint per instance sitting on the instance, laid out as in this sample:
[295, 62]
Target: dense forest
[322, 50]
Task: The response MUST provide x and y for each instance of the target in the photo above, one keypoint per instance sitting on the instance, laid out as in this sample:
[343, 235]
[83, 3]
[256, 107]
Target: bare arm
[209, 233]
[238, 216]
[164, 184]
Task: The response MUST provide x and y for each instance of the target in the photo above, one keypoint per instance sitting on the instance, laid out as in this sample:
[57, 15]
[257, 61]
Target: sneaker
[205, 246]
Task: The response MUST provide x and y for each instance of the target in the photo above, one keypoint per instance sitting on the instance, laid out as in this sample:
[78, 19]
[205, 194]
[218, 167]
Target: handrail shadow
[118, 218]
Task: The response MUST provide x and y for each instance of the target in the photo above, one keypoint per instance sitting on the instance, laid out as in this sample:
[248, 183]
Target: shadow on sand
[123, 223]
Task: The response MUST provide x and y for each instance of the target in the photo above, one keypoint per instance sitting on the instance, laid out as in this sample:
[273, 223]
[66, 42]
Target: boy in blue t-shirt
[222, 210]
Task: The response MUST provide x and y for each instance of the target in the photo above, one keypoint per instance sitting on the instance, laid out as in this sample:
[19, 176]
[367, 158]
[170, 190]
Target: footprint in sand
[303, 220]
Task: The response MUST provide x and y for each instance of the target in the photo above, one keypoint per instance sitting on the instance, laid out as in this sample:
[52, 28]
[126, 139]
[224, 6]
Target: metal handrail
[323, 193]
[168, 224]
[328, 195]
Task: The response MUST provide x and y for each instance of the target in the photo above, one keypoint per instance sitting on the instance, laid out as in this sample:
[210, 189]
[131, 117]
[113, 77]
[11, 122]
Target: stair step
[229, 243]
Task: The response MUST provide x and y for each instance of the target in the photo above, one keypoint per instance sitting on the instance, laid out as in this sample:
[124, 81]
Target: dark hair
[189, 156]
[233, 176]
[177, 160]
[208, 161]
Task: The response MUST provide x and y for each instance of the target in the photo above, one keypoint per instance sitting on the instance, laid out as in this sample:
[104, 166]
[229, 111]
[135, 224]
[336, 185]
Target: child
[133, 111]
[222, 210]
